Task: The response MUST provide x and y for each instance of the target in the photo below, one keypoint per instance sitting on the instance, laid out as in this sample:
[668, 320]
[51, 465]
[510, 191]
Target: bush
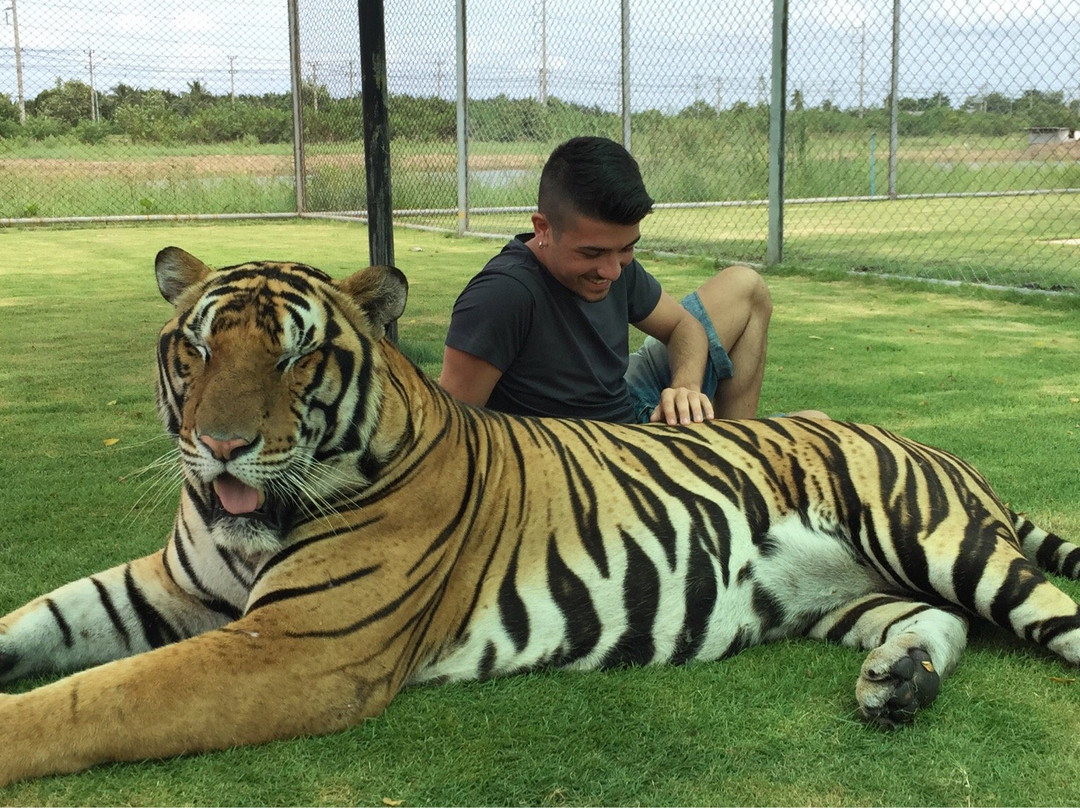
[42, 128]
[91, 133]
[151, 121]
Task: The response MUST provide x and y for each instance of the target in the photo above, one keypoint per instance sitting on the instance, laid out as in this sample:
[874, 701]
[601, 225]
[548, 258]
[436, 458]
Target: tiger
[346, 529]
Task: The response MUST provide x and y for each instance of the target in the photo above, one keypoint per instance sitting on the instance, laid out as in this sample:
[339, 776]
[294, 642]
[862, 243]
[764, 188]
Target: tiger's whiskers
[162, 477]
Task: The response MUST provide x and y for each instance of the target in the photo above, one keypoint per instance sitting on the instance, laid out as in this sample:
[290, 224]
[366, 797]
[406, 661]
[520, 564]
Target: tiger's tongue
[236, 497]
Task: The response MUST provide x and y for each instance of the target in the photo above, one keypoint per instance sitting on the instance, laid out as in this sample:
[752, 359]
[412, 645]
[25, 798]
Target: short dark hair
[594, 177]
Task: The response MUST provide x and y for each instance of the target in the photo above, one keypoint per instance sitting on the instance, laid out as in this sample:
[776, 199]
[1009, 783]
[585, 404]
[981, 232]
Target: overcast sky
[681, 50]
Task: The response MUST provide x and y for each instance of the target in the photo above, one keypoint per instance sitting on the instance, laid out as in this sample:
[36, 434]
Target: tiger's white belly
[807, 572]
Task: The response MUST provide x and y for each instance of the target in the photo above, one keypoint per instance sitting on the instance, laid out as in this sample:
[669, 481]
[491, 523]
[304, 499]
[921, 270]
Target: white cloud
[193, 22]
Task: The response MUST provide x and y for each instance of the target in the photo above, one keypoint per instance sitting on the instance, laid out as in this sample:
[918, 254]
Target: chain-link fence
[131, 108]
[134, 108]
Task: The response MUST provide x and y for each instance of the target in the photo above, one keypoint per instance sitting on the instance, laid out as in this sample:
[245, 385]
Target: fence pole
[626, 74]
[376, 136]
[894, 98]
[299, 171]
[774, 249]
[462, 124]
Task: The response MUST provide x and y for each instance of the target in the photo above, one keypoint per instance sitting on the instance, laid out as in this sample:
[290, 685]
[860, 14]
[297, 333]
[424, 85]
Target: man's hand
[680, 405]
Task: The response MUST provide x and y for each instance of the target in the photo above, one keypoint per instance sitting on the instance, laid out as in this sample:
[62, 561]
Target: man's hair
[594, 177]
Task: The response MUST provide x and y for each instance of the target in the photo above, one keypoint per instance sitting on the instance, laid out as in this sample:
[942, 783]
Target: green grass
[990, 376]
[1000, 240]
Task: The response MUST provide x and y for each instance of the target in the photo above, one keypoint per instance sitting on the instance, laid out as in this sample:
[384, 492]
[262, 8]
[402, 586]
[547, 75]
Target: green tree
[67, 102]
[151, 121]
[195, 99]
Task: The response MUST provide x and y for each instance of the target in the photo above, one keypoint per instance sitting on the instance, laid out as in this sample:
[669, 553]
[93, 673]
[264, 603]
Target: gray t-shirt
[559, 355]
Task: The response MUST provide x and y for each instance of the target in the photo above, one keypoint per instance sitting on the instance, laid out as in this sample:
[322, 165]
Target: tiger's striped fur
[346, 529]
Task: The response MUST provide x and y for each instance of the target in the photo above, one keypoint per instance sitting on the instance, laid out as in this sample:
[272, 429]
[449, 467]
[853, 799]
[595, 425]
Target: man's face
[586, 255]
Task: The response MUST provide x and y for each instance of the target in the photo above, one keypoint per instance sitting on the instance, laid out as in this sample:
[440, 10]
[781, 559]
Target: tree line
[68, 110]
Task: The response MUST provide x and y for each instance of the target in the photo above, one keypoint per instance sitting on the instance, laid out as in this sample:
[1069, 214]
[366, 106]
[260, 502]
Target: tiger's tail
[1045, 549]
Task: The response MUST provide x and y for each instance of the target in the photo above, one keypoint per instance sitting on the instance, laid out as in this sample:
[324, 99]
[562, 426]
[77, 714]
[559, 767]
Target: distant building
[1049, 135]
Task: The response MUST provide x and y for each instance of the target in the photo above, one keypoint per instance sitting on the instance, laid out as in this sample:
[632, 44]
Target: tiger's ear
[178, 271]
[381, 292]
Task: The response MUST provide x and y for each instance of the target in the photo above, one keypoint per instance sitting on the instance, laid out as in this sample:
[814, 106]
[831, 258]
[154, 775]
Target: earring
[540, 244]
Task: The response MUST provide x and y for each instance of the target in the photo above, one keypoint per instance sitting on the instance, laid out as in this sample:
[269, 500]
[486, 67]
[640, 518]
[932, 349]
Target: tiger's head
[267, 379]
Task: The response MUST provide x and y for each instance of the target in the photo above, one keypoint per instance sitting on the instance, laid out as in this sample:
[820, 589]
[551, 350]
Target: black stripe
[1054, 627]
[1023, 526]
[466, 619]
[769, 608]
[641, 597]
[374, 617]
[906, 522]
[156, 629]
[845, 624]
[916, 608]
[286, 593]
[65, 629]
[512, 612]
[487, 662]
[296, 547]
[740, 642]
[1020, 582]
[241, 573]
[1046, 554]
[185, 562]
[583, 497]
[700, 591]
[574, 601]
[649, 508]
[110, 610]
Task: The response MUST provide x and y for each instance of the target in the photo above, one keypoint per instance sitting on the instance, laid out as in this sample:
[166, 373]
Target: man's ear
[542, 228]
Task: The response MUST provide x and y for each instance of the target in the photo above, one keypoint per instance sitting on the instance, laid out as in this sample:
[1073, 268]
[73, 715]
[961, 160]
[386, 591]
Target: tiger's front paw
[894, 683]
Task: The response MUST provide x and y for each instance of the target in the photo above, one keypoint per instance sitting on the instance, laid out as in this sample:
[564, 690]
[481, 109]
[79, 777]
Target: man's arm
[468, 378]
[688, 351]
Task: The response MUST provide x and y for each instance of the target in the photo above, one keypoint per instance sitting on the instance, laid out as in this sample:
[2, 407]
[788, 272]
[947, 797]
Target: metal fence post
[894, 98]
[625, 76]
[774, 249]
[462, 123]
[376, 136]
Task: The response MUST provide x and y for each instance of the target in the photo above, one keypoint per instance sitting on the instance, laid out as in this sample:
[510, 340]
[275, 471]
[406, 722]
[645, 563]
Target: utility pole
[862, 67]
[93, 92]
[18, 60]
[232, 79]
[314, 85]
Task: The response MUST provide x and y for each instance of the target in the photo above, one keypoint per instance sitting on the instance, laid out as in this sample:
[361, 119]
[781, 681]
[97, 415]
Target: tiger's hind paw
[894, 683]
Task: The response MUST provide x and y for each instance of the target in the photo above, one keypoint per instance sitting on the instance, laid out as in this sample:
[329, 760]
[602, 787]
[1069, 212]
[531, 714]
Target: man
[542, 329]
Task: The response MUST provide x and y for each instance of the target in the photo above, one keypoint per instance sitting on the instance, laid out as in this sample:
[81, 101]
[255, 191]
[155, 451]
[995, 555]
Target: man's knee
[737, 287]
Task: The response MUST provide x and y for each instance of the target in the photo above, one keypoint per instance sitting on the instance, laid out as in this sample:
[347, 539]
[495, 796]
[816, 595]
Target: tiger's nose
[224, 449]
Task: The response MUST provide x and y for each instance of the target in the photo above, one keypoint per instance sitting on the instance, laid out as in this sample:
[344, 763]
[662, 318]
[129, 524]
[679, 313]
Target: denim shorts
[649, 372]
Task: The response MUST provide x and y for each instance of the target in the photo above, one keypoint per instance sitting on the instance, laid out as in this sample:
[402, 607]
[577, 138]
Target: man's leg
[738, 302]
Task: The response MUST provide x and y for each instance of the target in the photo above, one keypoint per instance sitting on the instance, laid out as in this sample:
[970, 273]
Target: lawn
[988, 375]
[1023, 239]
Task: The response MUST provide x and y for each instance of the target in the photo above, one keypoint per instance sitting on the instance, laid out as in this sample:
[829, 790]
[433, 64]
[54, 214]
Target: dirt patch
[218, 165]
[212, 165]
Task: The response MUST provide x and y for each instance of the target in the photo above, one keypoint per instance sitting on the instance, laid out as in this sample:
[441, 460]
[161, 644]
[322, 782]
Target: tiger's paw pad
[891, 690]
